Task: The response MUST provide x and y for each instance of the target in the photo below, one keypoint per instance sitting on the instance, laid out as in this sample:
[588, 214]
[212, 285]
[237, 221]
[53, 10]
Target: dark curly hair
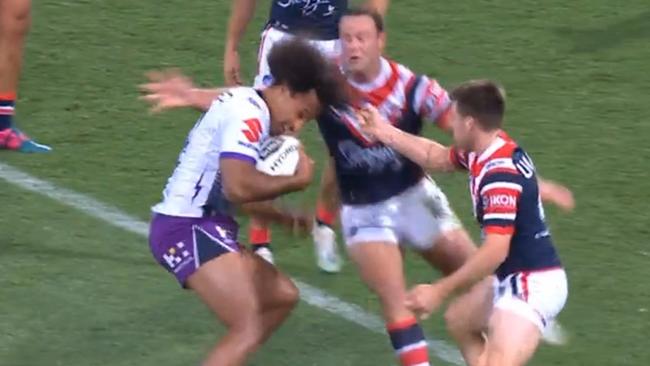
[302, 67]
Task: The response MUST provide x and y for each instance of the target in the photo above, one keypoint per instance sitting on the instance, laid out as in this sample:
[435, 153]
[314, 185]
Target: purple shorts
[183, 244]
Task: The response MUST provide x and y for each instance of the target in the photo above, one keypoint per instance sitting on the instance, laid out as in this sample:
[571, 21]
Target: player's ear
[382, 41]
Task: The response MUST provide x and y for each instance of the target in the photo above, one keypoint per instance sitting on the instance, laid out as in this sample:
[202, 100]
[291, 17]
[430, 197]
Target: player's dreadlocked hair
[301, 67]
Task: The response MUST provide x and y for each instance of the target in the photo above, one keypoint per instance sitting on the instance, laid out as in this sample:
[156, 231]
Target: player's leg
[527, 303]
[203, 255]
[467, 318]
[226, 286]
[380, 267]
[278, 294]
[15, 19]
[327, 208]
[513, 339]
[249, 296]
[259, 237]
[433, 228]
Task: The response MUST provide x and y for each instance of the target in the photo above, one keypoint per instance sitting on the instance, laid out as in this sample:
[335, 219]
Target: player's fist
[305, 170]
[372, 123]
[424, 299]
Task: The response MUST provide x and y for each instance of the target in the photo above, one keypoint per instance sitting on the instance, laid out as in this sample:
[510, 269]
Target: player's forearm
[202, 99]
[241, 14]
[267, 211]
[426, 153]
[482, 264]
[256, 186]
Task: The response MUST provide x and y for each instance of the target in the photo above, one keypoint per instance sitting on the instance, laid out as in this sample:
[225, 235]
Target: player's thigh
[451, 249]
[226, 285]
[381, 269]
[470, 311]
[432, 227]
[512, 338]
[274, 288]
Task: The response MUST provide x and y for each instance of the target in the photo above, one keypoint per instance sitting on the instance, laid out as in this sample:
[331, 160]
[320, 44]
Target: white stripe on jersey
[505, 185]
[500, 216]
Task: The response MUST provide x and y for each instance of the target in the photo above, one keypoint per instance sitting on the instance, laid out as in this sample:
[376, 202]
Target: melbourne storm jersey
[506, 200]
[233, 127]
[368, 172]
[319, 19]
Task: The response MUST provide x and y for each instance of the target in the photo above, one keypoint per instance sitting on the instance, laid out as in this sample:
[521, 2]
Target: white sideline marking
[309, 294]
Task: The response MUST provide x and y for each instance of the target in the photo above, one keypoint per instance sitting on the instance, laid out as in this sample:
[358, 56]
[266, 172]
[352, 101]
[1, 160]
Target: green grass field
[77, 291]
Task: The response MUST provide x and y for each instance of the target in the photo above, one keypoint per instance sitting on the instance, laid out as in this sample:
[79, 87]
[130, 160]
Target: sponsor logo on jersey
[374, 158]
[500, 200]
[253, 132]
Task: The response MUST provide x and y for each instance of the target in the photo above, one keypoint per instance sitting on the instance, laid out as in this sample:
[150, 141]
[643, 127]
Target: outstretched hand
[167, 89]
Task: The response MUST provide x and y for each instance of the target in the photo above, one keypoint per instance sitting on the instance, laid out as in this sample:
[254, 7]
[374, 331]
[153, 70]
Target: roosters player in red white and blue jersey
[530, 283]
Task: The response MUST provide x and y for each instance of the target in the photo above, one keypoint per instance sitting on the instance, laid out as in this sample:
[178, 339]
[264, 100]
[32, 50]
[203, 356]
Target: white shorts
[270, 36]
[538, 296]
[414, 218]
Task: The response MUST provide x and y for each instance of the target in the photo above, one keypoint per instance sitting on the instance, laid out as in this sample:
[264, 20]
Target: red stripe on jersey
[415, 356]
[499, 230]
[379, 95]
[458, 158]
[401, 324]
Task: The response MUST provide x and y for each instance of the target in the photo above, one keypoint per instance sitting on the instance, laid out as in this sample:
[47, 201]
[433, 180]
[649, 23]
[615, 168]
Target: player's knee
[15, 20]
[456, 321]
[249, 334]
[288, 294]
[497, 356]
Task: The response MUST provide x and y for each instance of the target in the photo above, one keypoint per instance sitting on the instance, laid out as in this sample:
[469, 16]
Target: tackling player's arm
[241, 14]
[426, 153]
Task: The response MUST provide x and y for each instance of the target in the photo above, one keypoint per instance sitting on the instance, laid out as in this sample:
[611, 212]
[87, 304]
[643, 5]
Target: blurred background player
[193, 234]
[530, 288]
[15, 18]
[317, 20]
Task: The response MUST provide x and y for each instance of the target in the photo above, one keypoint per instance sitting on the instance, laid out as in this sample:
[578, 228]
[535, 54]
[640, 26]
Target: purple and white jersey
[233, 127]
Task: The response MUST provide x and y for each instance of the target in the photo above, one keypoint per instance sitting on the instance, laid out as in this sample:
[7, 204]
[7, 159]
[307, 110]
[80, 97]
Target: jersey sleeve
[242, 133]
[499, 199]
[432, 101]
[458, 158]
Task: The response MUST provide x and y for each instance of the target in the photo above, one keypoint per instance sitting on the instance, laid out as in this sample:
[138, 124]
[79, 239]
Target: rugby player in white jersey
[193, 233]
[530, 287]
[317, 20]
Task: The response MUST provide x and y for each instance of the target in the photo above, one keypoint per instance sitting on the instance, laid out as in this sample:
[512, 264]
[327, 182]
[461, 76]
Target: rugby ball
[279, 155]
